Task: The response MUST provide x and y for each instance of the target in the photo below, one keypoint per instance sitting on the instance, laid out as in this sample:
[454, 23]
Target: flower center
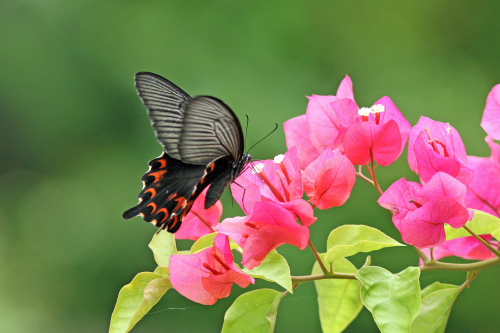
[435, 143]
[375, 110]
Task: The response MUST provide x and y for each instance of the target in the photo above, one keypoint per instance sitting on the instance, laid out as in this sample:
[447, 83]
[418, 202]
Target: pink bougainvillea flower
[379, 133]
[491, 116]
[268, 227]
[200, 221]
[208, 275]
[279, 181]
[436, 146]
[465, 247]
[483, 193]
[329, 179]
[420, 212]
[297, 135]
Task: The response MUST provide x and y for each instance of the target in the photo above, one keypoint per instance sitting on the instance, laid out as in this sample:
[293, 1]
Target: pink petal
[297, 135]
[324, 124]
[334, 183]
[302, 209]
[424, 227]
[200, 221]
[483, 192]
[466, 247]
[491, 116]
[495, 150]
[186, 274]
[398, 196]
[364, 140]
[429, 162]
[392, 113]
[290, 167]
[442, 184]
[345, 89]
[311, 172]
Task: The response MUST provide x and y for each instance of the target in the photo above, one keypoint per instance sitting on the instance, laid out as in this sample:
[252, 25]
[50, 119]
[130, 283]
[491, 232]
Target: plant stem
[323, 268]
[307, 278]
[485, 243]
[374, 177]
[442, 266]
[422, 255]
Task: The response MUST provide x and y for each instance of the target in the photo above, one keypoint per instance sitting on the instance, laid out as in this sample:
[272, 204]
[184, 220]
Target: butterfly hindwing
[169, 186]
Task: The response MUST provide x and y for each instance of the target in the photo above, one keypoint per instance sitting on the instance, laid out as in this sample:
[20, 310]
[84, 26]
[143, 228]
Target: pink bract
[483, 192]
[267, 228]
[329, 179]
[280, 183]
[200, 221]
[297, 135]
[208, 275]
[465, 247]
[436, 146]
[491, 116]
[420, 212]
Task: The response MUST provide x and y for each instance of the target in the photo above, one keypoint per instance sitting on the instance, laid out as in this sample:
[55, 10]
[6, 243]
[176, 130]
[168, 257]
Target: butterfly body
[203, 146]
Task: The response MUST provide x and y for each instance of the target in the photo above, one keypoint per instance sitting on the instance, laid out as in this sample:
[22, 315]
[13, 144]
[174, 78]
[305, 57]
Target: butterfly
[203, 146]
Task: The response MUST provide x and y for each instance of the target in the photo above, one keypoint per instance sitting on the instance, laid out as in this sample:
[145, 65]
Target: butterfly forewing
[164, 102]
[210, 130]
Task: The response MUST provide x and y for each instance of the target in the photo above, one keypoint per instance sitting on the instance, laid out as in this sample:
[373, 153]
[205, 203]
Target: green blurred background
[75, 138]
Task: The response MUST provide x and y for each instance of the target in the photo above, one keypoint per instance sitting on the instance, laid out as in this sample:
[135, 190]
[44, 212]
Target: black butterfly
[203, 144]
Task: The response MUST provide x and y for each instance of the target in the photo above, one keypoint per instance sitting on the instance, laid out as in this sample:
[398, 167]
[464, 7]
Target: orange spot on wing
[211, 167]
[158, 174]
[152, 205]
[172, 196]
[163, 163]
[164, 211]
[181, 203]
[152, 191]
[173, 223]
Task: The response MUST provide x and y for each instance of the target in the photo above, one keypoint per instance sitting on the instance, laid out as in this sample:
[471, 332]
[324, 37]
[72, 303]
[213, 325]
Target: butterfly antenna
[246, 131]
[263, 138]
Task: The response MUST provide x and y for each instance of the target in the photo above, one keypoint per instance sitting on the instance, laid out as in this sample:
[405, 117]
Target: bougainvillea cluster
[327, 148]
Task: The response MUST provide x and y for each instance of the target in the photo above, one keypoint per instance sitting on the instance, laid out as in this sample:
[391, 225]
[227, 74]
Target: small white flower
[364, 111]
[377, 108]
[278, 158]
[257, 168]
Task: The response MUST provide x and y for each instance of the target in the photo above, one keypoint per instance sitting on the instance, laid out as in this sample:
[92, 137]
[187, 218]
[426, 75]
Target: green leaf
[437, 300]
[393, 300]
[275, 269]
[348, 240]
[253, 312]
[136, 299]
[496, 234]
[482, 223]
[163, 245]
[207, 241]
[338, 300]
[163, 271]
[203, 242]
